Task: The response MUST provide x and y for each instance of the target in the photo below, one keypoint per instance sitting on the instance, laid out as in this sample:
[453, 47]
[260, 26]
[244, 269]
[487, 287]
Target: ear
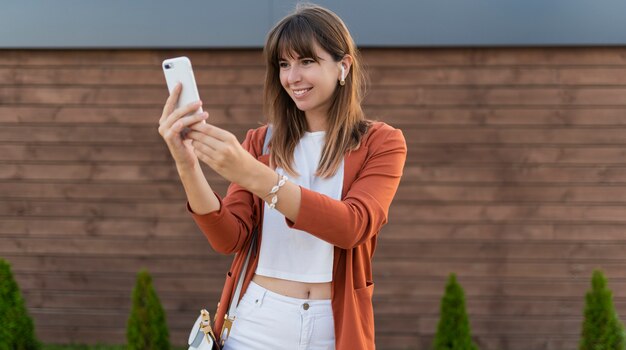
[346, 62]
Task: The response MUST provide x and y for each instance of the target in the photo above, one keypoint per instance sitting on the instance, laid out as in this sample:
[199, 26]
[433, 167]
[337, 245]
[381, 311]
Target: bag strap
[232, 309]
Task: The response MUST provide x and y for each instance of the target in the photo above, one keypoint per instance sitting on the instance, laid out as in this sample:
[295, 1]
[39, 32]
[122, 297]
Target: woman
[318, 199]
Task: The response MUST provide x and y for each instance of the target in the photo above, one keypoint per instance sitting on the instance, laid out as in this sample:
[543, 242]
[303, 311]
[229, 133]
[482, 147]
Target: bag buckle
[228, 324]
[205, 325]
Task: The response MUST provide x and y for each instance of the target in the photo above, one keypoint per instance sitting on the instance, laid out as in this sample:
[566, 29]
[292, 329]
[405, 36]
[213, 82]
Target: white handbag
[201, 336]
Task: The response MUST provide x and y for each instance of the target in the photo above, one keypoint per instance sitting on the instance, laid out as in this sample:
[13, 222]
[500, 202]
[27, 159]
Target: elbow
[363, 229]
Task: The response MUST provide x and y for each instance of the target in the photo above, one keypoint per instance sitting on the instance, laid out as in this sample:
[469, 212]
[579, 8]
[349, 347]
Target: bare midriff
[295, 289]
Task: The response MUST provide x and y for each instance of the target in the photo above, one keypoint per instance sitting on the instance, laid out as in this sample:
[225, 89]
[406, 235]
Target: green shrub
[602, 329]
[453, 330]
[17, 331]
[147, 326]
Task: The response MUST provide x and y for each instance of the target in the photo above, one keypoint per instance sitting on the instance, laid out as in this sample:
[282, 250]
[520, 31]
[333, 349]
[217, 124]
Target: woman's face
[310, 81]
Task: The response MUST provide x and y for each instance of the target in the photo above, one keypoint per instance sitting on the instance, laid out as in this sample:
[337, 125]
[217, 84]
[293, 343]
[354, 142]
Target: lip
[302, 95]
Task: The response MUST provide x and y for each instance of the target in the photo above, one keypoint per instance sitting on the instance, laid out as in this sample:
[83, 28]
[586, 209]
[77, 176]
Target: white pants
[267, 320]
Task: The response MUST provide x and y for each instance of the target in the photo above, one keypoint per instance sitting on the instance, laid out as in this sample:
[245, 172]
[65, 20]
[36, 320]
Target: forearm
[199, 193]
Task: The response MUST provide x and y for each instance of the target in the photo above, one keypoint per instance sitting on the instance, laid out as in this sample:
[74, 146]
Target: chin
[303, 107]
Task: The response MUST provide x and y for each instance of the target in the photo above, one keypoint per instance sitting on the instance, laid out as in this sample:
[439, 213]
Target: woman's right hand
[172, 124]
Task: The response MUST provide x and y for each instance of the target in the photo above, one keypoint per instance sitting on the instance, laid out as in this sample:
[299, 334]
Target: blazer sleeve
[228, 228]
[364, 210]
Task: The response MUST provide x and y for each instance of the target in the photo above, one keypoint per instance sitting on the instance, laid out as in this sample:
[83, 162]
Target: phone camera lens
[168, 65]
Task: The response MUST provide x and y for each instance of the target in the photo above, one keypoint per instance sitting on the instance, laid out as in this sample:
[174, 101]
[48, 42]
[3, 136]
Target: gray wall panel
[244, 23]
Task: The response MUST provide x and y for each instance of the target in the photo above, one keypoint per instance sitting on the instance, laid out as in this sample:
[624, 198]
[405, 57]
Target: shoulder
[380, 134]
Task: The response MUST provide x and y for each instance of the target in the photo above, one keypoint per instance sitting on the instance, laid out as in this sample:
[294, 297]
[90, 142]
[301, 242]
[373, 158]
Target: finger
[214, 131]
[170, 104]
[204, 152]
[179, 113]
[204, 141]
[187, 121]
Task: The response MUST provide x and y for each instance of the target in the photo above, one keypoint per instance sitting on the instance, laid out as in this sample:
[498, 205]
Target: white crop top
[293, 254]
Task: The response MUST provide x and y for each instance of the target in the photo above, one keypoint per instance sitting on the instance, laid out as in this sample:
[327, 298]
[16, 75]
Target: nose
[294, 75]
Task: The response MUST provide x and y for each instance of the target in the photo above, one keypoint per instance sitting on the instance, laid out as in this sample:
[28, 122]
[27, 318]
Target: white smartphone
[178, 70]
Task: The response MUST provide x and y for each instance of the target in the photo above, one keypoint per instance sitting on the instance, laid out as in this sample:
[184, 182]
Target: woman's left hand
[221, 151]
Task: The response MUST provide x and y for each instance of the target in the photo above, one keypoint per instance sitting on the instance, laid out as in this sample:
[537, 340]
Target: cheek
[283, 79]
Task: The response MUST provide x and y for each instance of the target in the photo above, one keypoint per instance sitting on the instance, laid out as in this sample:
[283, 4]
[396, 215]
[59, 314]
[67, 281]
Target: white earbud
[342, 82]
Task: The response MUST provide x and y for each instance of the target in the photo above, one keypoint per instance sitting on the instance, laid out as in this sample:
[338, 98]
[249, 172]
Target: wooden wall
[514, 181]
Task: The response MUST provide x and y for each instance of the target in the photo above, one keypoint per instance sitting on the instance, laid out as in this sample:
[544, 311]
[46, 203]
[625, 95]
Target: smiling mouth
[301, 92]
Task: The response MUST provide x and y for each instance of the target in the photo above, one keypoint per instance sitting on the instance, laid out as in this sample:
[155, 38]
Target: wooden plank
[500, 96]
[514, 174]
[227, 116]
[104, 191]
[505, 252]
[514, 154]
[417, 116]
[131, 228]
[122, 96]
[208, 262]
[118, 301]
[484, 266]
[92, 172]
[71, 134]
[129, 76]
[118, 282]
[498, 137]
[82, 134]
[154, 153]
[77, 172]
[507, 213]
[503, 75]
[97, 209]
[523, 193]
[416, 288]
[195, 247]
[502, 232]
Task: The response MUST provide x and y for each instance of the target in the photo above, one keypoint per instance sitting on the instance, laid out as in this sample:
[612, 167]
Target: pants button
[305, 306]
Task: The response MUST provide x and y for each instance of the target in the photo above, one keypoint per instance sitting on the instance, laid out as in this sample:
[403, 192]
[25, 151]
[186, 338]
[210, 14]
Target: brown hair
[297, 34]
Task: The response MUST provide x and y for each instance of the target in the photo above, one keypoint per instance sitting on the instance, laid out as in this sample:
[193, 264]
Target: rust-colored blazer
[371, 177]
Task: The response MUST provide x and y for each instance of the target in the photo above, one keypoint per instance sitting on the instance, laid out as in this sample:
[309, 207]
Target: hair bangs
[296, 40]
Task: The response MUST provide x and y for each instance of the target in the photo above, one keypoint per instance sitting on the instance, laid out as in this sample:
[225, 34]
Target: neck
[316, 121]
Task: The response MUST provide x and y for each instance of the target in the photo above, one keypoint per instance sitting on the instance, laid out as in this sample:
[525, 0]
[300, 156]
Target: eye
[283, 64]
[308, 61]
